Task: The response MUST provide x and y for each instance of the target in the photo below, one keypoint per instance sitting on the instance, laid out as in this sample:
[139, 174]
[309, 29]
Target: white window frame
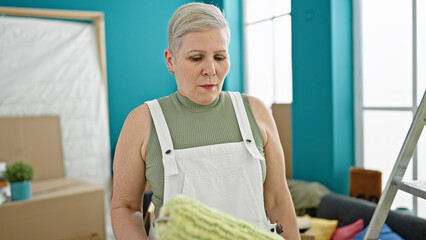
[245, 50]
[358, 86]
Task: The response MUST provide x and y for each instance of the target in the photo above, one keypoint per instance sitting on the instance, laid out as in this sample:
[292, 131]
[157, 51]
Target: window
[267, 27]
[389, 50]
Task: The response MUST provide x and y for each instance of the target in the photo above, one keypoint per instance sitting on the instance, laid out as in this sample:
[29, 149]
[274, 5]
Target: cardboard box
[365, 184]
[282, 117]
[34, 140]
[59, 209]
[308, 235]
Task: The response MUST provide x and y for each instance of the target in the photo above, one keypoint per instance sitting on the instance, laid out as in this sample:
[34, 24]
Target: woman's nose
[209, 68]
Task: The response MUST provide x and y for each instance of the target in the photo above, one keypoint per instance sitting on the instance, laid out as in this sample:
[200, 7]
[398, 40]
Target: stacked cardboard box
[60, 208]
[282, 116]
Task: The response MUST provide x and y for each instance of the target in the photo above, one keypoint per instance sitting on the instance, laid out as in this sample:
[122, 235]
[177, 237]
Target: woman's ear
[169, 60]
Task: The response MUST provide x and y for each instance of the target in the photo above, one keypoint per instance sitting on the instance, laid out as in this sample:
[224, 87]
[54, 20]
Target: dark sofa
[348, 209]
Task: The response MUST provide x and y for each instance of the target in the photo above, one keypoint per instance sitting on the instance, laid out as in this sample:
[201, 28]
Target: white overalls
[224, 176]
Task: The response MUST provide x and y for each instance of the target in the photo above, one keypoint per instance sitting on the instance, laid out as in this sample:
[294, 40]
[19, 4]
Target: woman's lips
[208, 86]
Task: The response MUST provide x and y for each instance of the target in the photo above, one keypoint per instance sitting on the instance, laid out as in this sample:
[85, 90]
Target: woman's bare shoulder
[263, 117]
[257, 105]
[136, 129]
[260, 111]
[138, 117]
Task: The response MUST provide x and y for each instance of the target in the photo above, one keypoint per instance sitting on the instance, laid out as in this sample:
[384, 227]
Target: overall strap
[244, 125]
[166, 144]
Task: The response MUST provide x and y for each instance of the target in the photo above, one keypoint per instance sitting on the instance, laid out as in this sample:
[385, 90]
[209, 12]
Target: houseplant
[19, 175]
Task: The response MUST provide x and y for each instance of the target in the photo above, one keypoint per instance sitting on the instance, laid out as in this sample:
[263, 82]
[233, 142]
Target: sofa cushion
[350, 231]
[306, 195]
[385, 234]
[348, 209]
[323, 228]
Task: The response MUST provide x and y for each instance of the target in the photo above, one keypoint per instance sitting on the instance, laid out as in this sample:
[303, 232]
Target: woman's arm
[129, 176]
[278, 202]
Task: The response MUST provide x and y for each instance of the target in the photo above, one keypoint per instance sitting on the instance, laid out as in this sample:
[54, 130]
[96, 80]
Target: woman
[220, 148]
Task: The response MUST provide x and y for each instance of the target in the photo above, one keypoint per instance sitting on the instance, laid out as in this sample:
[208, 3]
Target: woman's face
[201, 64]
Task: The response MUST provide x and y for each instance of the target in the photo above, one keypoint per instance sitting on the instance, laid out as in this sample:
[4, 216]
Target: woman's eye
[196, 58]
[219, 58]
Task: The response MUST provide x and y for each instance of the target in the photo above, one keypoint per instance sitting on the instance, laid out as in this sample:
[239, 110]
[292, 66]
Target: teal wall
[342, 92]
[233, 12]
[322, 109]
[136, 37]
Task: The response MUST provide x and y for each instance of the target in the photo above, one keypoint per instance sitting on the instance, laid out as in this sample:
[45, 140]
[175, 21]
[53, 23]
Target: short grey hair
[194, 17]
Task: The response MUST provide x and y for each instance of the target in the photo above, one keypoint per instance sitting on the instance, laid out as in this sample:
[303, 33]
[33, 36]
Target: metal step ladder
[395, 183]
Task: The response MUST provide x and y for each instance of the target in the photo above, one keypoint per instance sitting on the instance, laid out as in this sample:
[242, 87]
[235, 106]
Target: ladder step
[415, 187]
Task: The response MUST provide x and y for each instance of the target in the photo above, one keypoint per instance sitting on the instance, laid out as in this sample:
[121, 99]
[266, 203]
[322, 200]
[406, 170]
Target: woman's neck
[187, 103]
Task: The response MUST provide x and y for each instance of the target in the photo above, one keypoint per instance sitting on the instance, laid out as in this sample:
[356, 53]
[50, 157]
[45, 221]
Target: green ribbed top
[194, 125]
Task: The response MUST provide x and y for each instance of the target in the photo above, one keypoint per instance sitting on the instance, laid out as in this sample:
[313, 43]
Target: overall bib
[224, 176]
